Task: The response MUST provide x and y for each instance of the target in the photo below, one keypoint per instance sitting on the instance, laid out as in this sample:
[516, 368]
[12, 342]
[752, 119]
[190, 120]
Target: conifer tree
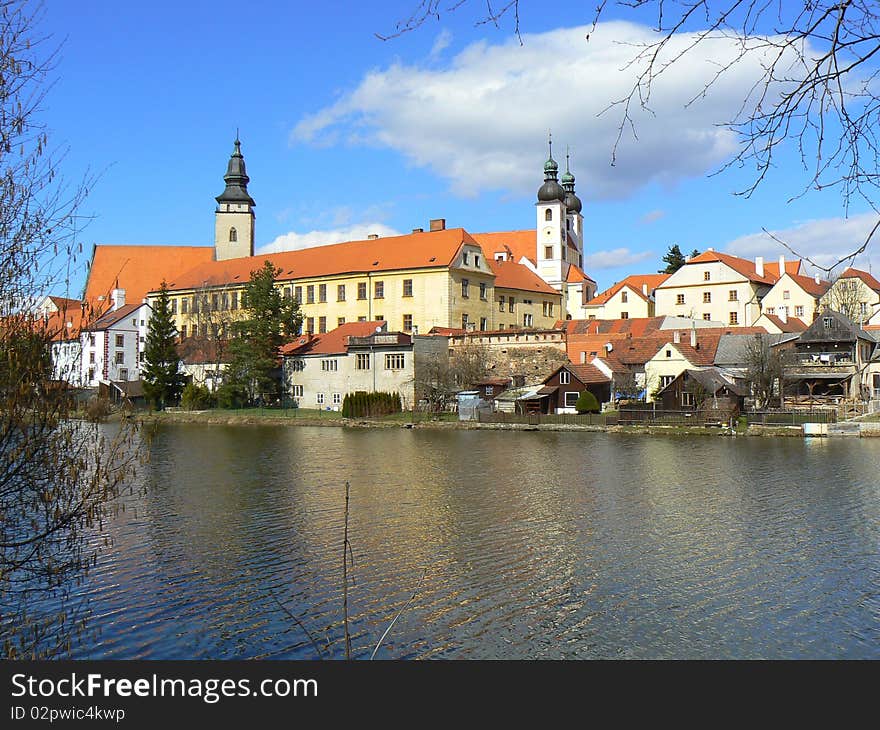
[163, 381]
[674, 260]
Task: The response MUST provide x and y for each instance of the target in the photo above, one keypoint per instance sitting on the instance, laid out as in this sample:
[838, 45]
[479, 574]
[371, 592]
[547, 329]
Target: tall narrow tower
[574, 221]
[550, 225]
[234, 217]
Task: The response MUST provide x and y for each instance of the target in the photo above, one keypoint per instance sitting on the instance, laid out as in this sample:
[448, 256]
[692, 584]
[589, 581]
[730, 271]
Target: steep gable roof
[742, 266]
[792, 324]
[867, 278]
[511, 275]
[634, 283]
[518, 244]
[810, 285]
[334, 342]
[110, 318]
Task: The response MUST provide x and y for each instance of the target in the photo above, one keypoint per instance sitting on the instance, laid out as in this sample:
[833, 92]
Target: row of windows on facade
[393, 361]
[527, 321]
[732, 296]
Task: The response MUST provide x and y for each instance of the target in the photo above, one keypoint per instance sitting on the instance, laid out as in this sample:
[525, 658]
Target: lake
[526, 545]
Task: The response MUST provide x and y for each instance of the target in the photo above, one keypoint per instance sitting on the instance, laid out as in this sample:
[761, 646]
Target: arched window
[233, 235]
[548, 214]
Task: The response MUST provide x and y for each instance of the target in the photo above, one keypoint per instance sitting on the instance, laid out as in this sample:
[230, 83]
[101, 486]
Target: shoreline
[231, 419]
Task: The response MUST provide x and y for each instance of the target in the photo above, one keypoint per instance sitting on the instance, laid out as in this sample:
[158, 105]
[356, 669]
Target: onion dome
[551, 190]
[572, 201]
[236, 179]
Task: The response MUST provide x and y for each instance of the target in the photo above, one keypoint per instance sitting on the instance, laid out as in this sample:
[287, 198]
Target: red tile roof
[742, 266]
[588, 373]
[138, 269]
[510, 275]
[518, 244]
[110, 318]
[866, 277]
[635, 283]
[410, 251]
[576, 275]
[793, 324]
[634, 326]
[334, 342]
[810, 285]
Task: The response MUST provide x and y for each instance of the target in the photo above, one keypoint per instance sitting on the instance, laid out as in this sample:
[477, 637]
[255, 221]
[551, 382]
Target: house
[560, 391]
[710, 391]
[204, 360]
[829, 361]
[491, 388]
[720, 287]
[673, 358]
[63, 319]
[113, 346]
[793, 297]
[357, 356]
[780, 323]
[633, 297]
[856, 295]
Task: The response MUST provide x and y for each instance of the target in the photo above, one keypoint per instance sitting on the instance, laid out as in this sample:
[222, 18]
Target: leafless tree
[819, 90]
[848, 296]
[765, 368]
[58, 476]
[212, 311]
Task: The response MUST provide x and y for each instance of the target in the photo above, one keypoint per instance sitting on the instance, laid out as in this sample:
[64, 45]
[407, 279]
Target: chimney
[372, 236]
[676, 337]
[783, 314]
[415, 329]
[437, 224]
[817, 279]
[117, 296]
[418, 230]
[694, 337]
[759, 266]
[781, 265]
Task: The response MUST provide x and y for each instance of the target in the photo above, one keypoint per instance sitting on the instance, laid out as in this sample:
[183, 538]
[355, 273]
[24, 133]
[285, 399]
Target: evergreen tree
[674, 260]
[161, 374]
[270, 321]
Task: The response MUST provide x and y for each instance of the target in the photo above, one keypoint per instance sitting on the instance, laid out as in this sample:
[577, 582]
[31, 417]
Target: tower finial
[550, 142]
[567, 150]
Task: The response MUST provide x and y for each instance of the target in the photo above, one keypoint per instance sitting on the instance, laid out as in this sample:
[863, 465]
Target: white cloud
[825, 241]
[294, 241]
[481, 121]
[652, 216]
[616, 258]
[441, 43]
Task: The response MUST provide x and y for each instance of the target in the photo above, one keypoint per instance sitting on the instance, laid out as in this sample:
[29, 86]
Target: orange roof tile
[410, 251]
[810, 285]
[576, 275]
[510, 275]
[793, 324]
[741, 266]
[869, 280]
[334, 342]
[66, 323]
[138, 269]
[635, 283]
[519, 243]
[587, 373]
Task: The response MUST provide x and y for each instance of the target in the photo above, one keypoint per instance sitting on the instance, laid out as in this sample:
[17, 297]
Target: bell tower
[234, 217]
[550, 225]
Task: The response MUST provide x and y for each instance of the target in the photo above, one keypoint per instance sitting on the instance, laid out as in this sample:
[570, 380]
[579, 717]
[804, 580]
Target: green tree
[587, 403]
[270, 321]
[674, 260]
[163, 380]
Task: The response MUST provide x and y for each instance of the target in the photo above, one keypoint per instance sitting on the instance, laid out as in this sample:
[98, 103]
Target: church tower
[234, 217]
[551, 226]
[574, 221]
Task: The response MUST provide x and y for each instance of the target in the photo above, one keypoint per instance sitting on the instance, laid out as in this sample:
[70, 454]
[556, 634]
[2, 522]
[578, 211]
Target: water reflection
[532, 545]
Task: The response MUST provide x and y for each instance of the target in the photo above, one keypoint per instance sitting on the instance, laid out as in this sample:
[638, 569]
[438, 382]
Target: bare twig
[399, 614]
[299, 623]
[346, 549]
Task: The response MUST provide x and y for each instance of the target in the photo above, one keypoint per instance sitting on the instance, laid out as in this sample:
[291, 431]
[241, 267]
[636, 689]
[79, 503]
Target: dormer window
[548, 214]
[464, 258]
[827, 322]
[233, 235]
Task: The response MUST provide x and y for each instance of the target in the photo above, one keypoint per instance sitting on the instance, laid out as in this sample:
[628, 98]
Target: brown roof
[793, 324]
[111, 318]
[635, 283]
[634, 326]
[334, 342]
[587, 373]
[138, 269]
[510, 275]
[411, 251]
[810, 285]
[866, 277]
[202, 351]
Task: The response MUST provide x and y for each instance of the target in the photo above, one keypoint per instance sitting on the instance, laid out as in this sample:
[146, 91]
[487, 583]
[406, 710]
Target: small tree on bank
[270, 321]
[163, 381]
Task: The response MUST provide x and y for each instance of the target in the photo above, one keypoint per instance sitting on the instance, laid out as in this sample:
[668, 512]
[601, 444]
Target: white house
[113, 346]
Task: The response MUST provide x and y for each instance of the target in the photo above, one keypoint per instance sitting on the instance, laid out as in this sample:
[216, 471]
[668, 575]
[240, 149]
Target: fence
[662, 418]
[536, 419]
[790, 418]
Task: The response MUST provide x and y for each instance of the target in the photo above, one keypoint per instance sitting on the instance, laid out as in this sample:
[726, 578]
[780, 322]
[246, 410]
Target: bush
[196, 397]
[97, 409]
[587, 403]
[367, 405]
[230, 395]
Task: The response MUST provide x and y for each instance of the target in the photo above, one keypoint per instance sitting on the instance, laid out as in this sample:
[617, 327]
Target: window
[380, 317]
[564, 377]
[510, 304]
[322, 325]
[362, 361]
[464, 321]
[297, 391]
[488, 390]
[195, 304]
[183, 331]
[771, 310]
[669, 353]
[666, 380]
[484, 324]
[362, 319]
[786, 294]
[234, 302]
[548, 252]
[173, 306]
[120, 358]
[310, 325]
[340, 321]
[707, 297]
[340, 293]
[476, 261]
[798, 311]
[233, 235]
[624, 297]
[733, 296]
[288, 292]
[827, 322]
[394, 361]
[123, 373]
[624, 315]
[319, 399]
[184, 306]
[337, 399]
[310, 294]
[92, 356]
[225, 303]
[464, 288]
[215, 302]
[483, 291]
[863, 307]
[679, 298]
[527, 320]
[379, 290]
[120, 340]
[464, 258]
[297, 294]
[407, 322]
[407, 287]
[362, 290]
[329, 366]
[501, 303]
[734, 318]
[322, 293]
[548, 215]
[92, 339]
[687, 399]
[707, 276]
[707, 316]
[571, 399]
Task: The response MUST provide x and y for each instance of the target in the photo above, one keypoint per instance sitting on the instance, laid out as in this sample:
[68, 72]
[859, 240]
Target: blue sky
[344, 134]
